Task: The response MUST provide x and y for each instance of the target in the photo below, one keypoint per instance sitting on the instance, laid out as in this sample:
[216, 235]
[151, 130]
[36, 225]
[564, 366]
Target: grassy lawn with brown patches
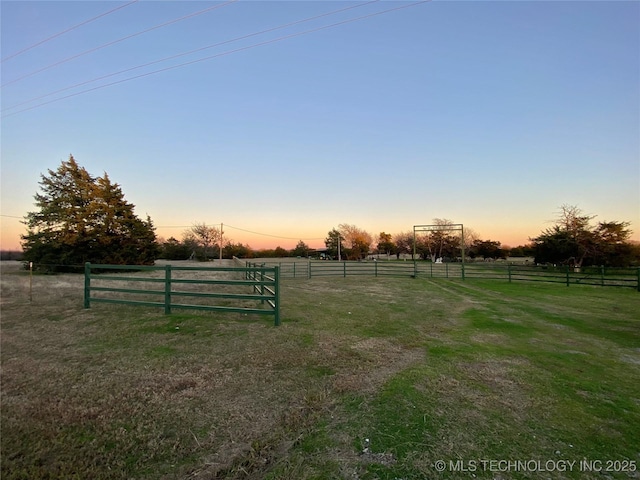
[367, 378]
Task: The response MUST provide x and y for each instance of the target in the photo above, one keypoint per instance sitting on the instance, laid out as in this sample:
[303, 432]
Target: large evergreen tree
[81, 218]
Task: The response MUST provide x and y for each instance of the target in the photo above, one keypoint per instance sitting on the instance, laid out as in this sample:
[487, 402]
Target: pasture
[366, 378]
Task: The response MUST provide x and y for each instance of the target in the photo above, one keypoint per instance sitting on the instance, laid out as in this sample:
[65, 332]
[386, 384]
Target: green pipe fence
[600, 276]
[264, 283]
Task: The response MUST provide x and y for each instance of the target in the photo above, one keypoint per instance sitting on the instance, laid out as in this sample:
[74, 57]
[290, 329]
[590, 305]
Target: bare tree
[205, 236]
[572, 220]
[404, 243]
[469, 237]
[435, 242]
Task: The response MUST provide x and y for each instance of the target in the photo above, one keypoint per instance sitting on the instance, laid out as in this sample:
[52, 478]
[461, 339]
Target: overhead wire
[85, 22]
[171, 57]
[268, 235]
[267, 42]
[226, 225]
[99, 47]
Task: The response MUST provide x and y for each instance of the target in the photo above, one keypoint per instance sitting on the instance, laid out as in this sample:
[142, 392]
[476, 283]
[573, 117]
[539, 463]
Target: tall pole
[462, 235]
[221, 232]
[413, 256]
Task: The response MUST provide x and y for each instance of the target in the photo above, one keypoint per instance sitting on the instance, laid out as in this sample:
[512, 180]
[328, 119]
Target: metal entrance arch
[452, 227]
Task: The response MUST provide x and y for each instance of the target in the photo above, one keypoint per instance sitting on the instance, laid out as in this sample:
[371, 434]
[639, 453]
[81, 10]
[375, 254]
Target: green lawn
[367, 378]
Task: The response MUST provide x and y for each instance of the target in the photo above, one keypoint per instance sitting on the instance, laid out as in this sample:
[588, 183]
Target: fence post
[167, 289]
[638, 283]
[294, 269]
[87, 285]
[344, 269]
[276, 277]
[446, 269]
[463, 271]
[262, 283]
[415, 269]
[509, 272]
[376, 267]
[30, 282]
[567, 275]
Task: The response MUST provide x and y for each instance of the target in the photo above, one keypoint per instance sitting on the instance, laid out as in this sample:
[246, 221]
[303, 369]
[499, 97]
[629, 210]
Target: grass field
[367, 378]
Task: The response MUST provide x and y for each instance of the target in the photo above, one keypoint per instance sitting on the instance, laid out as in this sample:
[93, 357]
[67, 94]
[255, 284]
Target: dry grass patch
[365, 379]
[116, 391]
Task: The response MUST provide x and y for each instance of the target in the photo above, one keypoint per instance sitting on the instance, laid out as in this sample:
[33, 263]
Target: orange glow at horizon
[509, 236]
[11, 229]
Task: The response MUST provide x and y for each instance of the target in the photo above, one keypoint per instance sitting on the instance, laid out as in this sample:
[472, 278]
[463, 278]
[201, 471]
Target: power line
[67, 31]
[268, 235]
[200, 12]
[226, 225]
[267, 42]
[213, 224]
[171, 57]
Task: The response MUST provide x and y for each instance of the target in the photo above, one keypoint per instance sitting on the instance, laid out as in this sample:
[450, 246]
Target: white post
[30, 282]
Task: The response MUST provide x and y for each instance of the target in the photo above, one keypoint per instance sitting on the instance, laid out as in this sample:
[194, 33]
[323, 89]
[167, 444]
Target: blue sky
[491, 114]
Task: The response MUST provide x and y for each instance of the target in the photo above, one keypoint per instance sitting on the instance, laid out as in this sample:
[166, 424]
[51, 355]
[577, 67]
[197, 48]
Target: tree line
[573, 240]
[82, 218]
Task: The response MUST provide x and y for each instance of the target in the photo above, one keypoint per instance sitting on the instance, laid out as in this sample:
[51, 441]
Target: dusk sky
[488, 113]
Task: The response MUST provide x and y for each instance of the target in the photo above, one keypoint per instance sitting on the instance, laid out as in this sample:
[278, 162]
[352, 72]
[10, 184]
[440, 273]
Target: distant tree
[573, 240]
[11, 255]
[301, 250]
[173, 249]
[358, 242]
[439, 243]
[557, 246]
[612, 245]
[81, 218]
[469, 237]
[238, 250]
[277, 252]
[522, 251]
[207, 239]
[613, 233]
[486, 249]
[404, 243]
[332, 241]
[386, 244]
[192, 243]
[280, 252]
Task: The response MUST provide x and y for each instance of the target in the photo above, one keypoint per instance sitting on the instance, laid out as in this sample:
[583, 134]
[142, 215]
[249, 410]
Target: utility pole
[221, 232]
